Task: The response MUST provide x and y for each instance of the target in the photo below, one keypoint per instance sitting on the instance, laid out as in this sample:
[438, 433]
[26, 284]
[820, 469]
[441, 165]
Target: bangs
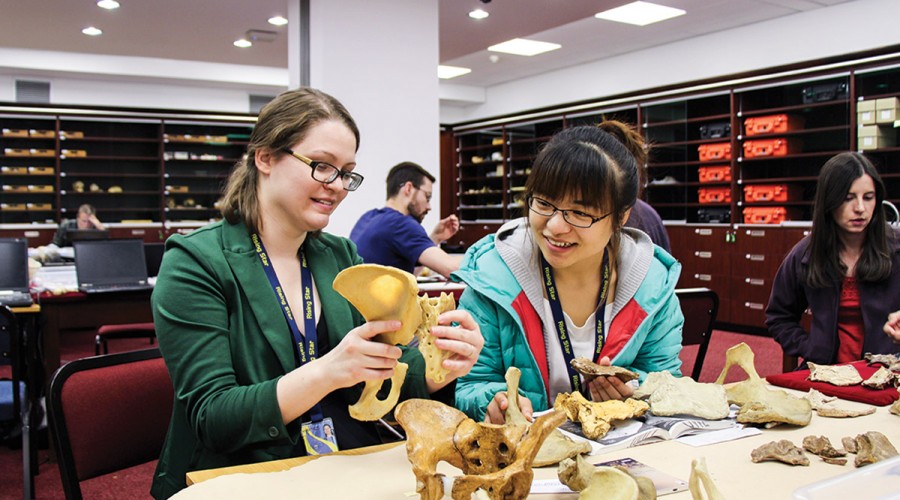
[578, 169]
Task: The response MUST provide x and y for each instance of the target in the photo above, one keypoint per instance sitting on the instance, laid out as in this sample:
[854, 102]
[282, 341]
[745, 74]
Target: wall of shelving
[135, 168]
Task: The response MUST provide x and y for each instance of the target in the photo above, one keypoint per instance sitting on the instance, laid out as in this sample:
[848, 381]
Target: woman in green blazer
[248, 374]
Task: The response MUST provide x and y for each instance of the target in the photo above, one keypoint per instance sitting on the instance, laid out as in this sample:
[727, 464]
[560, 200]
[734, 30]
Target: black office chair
[108, 414]
[15, 396]
[699, 306]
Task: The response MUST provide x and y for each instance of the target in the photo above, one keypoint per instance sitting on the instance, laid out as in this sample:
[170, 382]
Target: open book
[651, 429]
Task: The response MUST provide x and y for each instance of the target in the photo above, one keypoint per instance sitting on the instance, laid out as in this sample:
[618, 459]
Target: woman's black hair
[825, 266]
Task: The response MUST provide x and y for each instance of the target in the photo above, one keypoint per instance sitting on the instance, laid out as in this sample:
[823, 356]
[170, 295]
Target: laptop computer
[14, 290]
[154, 255]
[110, 265]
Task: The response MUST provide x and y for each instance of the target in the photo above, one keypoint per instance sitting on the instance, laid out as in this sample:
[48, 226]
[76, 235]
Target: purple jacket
[791, 297]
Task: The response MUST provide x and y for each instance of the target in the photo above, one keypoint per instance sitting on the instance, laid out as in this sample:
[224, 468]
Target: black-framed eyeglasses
[327, 173]
[427, 193]
[575, 218]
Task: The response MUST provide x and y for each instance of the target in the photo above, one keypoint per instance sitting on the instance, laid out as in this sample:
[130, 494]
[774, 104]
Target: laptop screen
[13, 264]
[110, 262]
[154, 254]
[88, 234]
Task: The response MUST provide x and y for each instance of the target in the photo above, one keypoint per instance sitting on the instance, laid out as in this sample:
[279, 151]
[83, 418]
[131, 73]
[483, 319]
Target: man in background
[394, 236]
[85, 219]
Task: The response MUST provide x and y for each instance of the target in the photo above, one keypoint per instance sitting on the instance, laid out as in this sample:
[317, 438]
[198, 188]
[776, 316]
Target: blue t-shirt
[387, 237]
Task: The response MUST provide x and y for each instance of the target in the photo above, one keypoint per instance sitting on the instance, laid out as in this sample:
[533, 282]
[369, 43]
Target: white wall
[840, 29]
[382, 67]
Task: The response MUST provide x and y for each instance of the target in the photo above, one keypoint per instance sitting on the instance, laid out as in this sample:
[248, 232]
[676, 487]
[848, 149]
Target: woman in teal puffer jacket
[569, 281]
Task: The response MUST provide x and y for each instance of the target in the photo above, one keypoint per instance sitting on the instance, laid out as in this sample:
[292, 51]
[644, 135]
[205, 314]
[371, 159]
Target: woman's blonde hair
[283, 122]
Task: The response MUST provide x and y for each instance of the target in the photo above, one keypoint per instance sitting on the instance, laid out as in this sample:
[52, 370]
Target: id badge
[319, 437]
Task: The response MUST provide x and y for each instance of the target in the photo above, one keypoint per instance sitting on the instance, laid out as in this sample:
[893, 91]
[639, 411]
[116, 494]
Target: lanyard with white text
[305, 351]
[559, 320]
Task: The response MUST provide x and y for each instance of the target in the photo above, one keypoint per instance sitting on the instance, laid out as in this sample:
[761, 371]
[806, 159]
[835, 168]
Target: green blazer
[226, 343]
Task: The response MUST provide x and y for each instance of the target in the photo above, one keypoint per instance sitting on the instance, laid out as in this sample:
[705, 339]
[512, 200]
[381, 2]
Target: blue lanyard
[305, 350]
[559, 320]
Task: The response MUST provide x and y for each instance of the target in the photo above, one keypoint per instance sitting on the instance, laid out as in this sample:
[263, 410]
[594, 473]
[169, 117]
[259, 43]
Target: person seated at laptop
[251, 377]
[86, 219]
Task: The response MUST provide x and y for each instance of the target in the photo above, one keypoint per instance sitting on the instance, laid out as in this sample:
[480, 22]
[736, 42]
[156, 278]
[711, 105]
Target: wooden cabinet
[137, 168]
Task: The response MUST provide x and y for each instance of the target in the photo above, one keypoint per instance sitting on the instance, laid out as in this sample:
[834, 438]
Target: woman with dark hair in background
[567, 280]
[643, 216]
[847, 271]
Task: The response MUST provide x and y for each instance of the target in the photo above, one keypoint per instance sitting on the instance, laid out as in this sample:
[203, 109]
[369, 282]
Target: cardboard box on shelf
[875, 137]
[16, 152]
[865, 112]
[42, 134]
[7, 188]
[5, 170]
[13, 207]
[71, 134]
[40, 170]
[39, 206]
[886, 109]
[15, 132]
[177, 189]
[43, 152]
[72, 153]
[40, 189]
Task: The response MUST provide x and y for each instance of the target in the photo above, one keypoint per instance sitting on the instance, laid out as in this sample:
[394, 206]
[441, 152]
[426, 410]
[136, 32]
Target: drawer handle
[703, 255]
[32, 234]
[703, 232]
[755, 281]
[703, 277]
[137, 232]
[756, 257]
[754, 305]
[756, 233]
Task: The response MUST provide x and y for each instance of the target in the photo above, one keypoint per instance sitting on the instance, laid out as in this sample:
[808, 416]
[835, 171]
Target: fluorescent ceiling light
[92, 31]
[640, 13]
[447, 72]
[479, 14]
[243, 43]
[278, 20]
[108, 4]
[522, 47]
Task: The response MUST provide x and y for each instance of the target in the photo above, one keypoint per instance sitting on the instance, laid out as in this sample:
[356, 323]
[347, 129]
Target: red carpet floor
[133, 484]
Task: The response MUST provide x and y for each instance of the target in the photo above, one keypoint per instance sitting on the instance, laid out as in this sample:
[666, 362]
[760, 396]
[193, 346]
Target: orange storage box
[714, 195]
[772, 124]
[715, 174]
[770, 147]
[715, 152]
[768, 215]
[772, 192]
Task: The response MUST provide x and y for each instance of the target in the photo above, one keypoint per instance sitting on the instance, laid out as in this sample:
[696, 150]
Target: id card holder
[319, 437]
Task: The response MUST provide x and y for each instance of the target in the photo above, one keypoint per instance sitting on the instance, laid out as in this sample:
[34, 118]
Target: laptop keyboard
[116, 288]
[16, 299]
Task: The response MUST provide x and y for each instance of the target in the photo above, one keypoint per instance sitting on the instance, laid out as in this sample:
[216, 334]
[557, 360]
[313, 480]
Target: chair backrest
[699, 306]
[109, 413]
[10, 400]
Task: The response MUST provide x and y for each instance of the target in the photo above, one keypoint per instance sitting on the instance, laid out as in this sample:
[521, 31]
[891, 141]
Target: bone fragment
[840, 375]
[683, 396]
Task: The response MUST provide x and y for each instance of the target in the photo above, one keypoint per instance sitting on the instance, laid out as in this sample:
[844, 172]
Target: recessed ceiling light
[446, 72]
[523, 47]
[92, 31]
[278, 20]
[243, 43]
[108, 4]
[479, 14]
[640, 13]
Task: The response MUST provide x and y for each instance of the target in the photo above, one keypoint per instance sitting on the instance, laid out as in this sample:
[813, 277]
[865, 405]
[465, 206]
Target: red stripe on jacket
[620, 332]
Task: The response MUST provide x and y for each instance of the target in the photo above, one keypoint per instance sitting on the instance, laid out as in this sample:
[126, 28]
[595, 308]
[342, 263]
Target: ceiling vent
[261, 36]
[32, 92]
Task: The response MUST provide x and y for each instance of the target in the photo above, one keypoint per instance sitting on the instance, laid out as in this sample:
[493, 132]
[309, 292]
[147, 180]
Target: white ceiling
[203, 30]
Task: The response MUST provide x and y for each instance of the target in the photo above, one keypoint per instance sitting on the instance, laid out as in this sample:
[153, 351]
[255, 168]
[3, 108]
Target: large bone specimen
[600, 484]
[557, 446]
[881, 379]
[496, 459]
[591, 370]
[387, 293]
[872, 447]
[700, 477]
[842, 375]
[759, 404]
[595, 417]
[781, 451]
[830, 406]
[683, 396]
[889, 361]
[821, 446]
